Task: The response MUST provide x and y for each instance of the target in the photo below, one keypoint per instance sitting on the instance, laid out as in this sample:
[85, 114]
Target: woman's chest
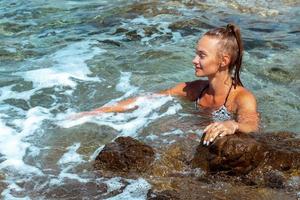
[217, 103]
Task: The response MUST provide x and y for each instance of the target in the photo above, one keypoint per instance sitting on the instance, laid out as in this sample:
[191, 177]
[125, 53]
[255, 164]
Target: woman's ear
[225, 60]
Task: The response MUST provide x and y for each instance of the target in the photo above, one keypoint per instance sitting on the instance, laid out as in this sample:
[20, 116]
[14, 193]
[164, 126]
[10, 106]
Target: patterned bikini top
[221, 114]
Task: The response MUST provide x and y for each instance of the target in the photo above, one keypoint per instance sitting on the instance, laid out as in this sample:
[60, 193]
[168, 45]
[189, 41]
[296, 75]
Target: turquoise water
[62, 57]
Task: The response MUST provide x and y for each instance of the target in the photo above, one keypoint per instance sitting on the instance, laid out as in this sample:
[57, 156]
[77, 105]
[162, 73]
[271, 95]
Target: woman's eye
[200, 54]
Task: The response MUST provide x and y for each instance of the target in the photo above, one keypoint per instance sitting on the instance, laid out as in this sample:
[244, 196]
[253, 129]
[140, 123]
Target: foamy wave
[124, 86]
[12, 146]
[128, 124]
[69, 63]
[136, 190]
[162, 26]
[67, 162]
[71, 156]
[113, 184]
[95, 154]
[6, 193]
[174, 132]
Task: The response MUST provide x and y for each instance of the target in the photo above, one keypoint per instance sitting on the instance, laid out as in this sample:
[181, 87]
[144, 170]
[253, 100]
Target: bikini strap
[206, 88]
[228, 94]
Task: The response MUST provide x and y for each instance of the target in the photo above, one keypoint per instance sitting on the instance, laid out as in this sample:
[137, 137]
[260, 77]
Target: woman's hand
[219, 129]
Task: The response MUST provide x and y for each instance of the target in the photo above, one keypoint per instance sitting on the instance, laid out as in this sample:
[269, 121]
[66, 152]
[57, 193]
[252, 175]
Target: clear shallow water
[59, 58]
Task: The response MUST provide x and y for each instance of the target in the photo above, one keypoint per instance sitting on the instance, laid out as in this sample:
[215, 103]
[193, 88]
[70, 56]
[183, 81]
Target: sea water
[59, 58]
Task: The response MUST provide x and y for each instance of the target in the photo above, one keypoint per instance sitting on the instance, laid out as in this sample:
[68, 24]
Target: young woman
[218, 57]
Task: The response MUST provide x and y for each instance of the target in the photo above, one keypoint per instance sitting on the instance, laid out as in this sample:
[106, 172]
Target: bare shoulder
[247, 114]
[193, 89]
[245, 98]
[190, 90]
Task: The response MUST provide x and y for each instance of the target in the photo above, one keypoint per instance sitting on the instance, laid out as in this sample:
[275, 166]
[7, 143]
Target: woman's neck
[219, 84]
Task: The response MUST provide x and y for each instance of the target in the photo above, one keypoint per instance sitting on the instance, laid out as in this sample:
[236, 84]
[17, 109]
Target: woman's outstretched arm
[128, 104]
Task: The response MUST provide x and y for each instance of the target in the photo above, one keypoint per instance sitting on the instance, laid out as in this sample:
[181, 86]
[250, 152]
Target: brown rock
[151, 9]
[266, 158]
[133, 35]
[125, 154]
[190, 26]
[282, 151]
[184, 188]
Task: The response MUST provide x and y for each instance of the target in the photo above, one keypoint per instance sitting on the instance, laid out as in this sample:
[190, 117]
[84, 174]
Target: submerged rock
[133, 35]
[279, 74]
[111, 42]
[267, 159]
[230, 167]
[125, 154]
[151, 9]
[190, 26]
[164, 195]
[184, 188]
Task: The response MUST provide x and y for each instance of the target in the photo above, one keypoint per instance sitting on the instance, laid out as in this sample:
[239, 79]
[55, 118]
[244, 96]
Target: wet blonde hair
[230, 42]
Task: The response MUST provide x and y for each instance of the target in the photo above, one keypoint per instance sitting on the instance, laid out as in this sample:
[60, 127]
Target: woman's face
[206, 61]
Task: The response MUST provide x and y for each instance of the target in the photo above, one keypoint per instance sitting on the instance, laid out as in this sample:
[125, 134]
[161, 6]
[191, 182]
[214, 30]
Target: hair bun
[230, 28]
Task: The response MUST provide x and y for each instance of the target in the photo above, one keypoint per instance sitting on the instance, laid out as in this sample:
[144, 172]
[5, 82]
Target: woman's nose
[195, 60]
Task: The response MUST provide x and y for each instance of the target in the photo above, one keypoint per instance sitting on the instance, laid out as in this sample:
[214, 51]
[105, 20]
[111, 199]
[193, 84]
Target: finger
[215, 131]
[207, 133]
[208, 127]
[224, 133]
[212, 136]
[206, 137]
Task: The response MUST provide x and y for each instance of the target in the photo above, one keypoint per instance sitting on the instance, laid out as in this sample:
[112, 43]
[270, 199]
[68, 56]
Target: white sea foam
[136, 190]
[69, 63]
[12, 145]
[12, 187]
[124, 83]
[174, 132]
[71, 156]
[152, 137]
[162, 26]
[33, 151]
[125, 87]
[67, 162]
[129, 123]
[141, 20]
[95, 154]
[113, 184]
[6, 93]
[64, 174]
